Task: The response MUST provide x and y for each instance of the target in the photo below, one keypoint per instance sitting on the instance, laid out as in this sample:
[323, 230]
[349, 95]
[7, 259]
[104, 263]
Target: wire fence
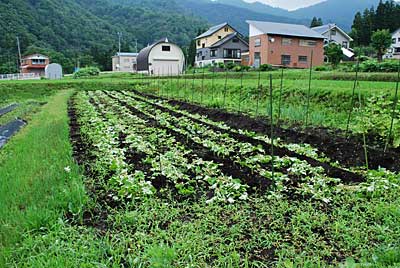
[27, 76]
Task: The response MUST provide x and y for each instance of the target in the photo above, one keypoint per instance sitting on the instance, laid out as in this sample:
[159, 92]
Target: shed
[161, 58]
[53, 71]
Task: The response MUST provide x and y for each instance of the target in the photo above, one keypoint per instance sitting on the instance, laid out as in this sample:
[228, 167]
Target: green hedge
[87, 72]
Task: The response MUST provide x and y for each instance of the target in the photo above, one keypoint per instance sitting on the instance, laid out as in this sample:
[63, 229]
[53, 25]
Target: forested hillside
[86, 31]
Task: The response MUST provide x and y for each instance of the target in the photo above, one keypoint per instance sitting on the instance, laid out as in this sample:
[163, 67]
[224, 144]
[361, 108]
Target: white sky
[288, 4]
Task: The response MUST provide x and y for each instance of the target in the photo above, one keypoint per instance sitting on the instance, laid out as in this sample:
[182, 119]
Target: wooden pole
[394, 109]
[240, 90]
[309, 89]
[258, 90]
[271, 116]
[225, 87]
[280, 98]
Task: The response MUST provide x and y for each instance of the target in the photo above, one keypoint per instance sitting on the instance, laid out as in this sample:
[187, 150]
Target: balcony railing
[28, 76]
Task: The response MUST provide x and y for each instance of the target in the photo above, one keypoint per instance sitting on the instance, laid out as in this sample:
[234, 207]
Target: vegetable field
[138, 148]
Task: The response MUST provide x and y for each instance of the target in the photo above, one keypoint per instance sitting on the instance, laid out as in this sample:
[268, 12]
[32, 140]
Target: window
[285, 59]
[333, 32]
[203, 57]
[398, 39]
[226, 29]
[166, 48]
[302, 59]
[286, 41]
[257, 42]
[38, 61]
[307, 43]
[397, 50]
[219, 37]
[213, 53]
[393, 40]
[345, 44]
[232, 53]
[198, 43]
[235, 40]
[203, 45]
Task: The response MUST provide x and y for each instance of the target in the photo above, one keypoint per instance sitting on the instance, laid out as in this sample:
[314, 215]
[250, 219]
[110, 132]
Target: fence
[28, 76]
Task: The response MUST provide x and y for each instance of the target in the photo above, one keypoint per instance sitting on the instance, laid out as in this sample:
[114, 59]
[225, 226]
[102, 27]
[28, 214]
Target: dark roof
[285, 29]
[126, 54]
[212, 30]
[229, 37]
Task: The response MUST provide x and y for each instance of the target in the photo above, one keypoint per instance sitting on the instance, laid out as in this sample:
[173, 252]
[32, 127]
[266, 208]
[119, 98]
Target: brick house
[34, 63]
[282, 44]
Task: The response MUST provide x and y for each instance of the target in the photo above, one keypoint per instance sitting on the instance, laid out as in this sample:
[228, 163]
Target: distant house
[124, 62]
[394, 50]
[161, 58]
[34, 63]
[220, 43]
[334, 34]
[282, 44]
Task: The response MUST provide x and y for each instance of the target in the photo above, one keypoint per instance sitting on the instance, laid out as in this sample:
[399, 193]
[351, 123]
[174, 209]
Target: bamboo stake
[394, 109]
[225, 87]
[272, 124]
[212, 85]
[258, 90]
[240, 90]
[193, 85]
[280, 98]
[202, 88]
[364, 136]
[352, 96]
[309, 89]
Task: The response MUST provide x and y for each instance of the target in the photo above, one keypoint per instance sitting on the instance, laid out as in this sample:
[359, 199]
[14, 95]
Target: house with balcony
[282, 44]
[394, 50]
[34, 64]
[334, 34]
[220, 43]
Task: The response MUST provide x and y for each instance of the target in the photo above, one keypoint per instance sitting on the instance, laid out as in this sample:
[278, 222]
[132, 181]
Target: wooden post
[271, 116]
[394, 108]
[309, 89]
[240, 90]
[225, 87]
[258, 90]
[280, 98]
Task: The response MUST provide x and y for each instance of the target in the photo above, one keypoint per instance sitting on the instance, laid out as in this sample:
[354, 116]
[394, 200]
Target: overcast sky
[288, 4]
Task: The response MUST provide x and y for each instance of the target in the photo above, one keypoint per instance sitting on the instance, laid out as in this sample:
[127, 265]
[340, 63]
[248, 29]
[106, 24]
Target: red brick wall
[271, 52]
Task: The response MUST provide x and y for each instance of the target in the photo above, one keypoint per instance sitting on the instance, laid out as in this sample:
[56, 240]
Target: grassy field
[75, 182]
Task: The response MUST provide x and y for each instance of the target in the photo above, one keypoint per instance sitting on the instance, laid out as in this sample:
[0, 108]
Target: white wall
[166, 62]
[254, 31]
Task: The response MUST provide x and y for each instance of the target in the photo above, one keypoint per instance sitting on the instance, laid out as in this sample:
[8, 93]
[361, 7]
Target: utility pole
[136, 46]
[19, 54]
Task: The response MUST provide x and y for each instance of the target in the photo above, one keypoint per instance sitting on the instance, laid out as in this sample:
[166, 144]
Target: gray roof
[212, 30]
[127, 54]
[324, 28]
[229, 37]
[285, 29]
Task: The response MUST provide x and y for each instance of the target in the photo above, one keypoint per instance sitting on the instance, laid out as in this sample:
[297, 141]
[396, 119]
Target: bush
[230, 65]
[375, 66]
[266, 67]
[323, 68]
[221, 65]
[87, 72]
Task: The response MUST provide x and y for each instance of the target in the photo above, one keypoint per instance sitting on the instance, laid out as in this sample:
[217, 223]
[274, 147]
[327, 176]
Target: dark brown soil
[345, 176]
[348, 151]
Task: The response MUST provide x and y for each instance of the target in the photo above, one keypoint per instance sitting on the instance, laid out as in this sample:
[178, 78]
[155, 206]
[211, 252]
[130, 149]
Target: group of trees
[316, 22]
[84, 32]
[386, 16]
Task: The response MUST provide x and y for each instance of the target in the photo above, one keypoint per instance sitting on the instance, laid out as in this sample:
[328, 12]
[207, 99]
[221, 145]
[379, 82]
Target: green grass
[35, 190]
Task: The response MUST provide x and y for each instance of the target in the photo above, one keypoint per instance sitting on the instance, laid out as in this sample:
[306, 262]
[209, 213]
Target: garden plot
[142, 148]
[8, 109]
[8, 130]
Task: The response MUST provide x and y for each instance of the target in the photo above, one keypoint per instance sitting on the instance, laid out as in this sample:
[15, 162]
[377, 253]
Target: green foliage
[323, 68]
[381, 40]
[70, 32]
[334, 53]
[230, 65]
[385, 16]
[375, 66]
[266, 67]
[316, 22]
[87, 72]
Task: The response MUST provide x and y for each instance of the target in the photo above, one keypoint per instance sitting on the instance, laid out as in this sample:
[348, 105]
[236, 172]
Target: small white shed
[161, 58]
[53, 71]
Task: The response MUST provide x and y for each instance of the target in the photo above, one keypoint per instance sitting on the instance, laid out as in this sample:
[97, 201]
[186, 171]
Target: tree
[316, 22]
[334, 53]
[381, 40]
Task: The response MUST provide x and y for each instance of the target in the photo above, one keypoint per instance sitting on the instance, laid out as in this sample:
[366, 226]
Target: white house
[161, 58]
[394, 50]
[334, 34]
[124, 62]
